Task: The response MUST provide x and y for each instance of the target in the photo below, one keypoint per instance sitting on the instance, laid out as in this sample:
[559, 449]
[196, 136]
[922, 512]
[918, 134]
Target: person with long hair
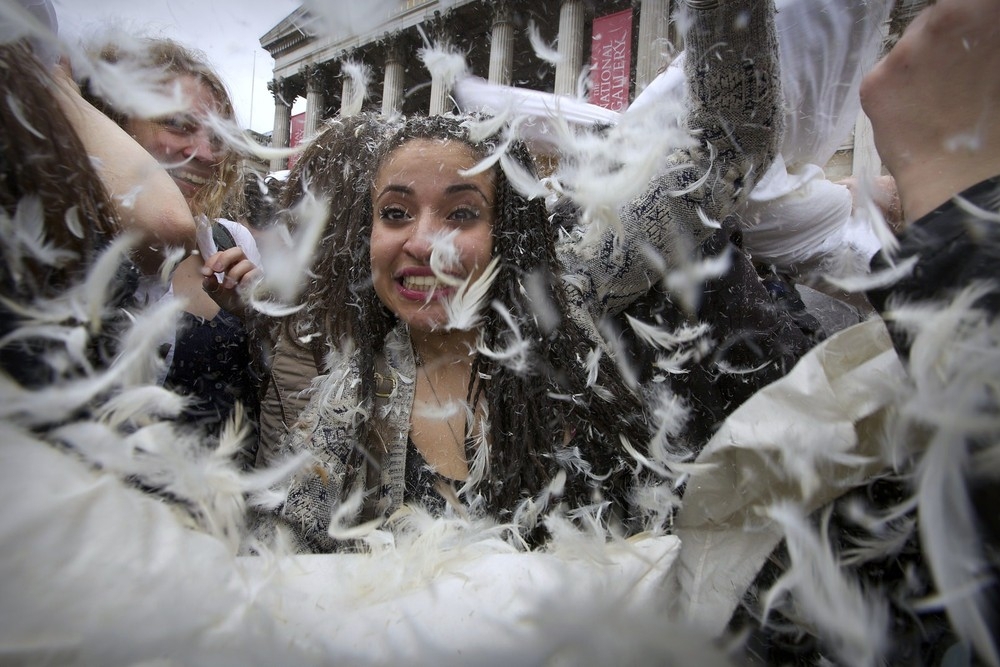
[63, 206]
[925, 525]
[45, 172]
[212, 358]
[467, 360]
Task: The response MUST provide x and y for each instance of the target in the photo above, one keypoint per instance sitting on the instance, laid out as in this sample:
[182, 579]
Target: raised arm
[149, 202]
[944, 156]
[735, 104]
[735, 118]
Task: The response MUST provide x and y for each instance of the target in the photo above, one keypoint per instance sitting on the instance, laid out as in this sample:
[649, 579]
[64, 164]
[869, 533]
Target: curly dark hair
[335, 167]
[537, 418]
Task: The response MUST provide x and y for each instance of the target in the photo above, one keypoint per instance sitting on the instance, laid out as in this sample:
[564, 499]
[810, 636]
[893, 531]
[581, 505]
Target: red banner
[296, 128]
[611, 60]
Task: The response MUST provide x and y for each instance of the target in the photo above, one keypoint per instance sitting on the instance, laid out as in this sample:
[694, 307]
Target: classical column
[282, 121]
[440, 88]
[501, 43]
[346, 95]
[439, 96]
[392, 85]
[570, 47]
[315, 100]
[654, 42]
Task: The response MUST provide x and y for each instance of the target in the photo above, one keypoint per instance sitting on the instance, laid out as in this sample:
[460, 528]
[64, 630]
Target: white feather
[441, 412]
[141, 405]
[977, 211]
[535, 287]
[852, 622]
[479, 467]
[203, 236]
[17, 109]
[24, 235]
[880, 279]
[484, 127]
[524, 182]
[531, 510]
[644, 461]
[465, 306]
[359, 74]
[136, 88]
[171, 258]
[540, 47]
[593, 365]
[94, 295]
[728, 369]
[688, 278]
[286, 257]
[515, 355]
[73, 222]
[342, 523]
[683, 335]
[444, 63]
[954, 364]
[445, 257]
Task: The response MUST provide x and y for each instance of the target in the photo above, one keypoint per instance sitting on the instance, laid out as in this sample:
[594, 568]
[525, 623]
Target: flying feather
[464, 308]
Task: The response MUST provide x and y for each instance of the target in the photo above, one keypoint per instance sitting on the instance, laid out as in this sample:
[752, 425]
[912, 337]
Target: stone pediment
[290, 34]
[306, 36]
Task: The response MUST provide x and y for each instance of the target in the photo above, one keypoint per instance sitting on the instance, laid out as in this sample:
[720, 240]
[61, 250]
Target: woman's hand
[933, 105]
[881, 190]
[227, 276]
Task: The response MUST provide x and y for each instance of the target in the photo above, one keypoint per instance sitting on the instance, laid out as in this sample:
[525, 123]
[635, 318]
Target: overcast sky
[228, 31]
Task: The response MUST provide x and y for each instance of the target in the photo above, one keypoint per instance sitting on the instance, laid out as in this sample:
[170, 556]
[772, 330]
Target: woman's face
[184, 143]
[420, 198]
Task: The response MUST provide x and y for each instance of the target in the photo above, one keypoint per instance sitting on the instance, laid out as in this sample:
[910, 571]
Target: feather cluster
[125, 536]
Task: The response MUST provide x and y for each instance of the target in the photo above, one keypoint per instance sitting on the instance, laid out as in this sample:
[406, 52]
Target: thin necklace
[461, 442]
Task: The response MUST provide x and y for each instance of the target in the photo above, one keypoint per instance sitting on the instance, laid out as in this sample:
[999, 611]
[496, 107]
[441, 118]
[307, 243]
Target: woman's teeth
[422, 283]
[189, 177]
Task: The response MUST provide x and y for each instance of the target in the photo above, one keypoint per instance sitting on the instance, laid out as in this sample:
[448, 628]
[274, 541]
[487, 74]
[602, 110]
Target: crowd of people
[478, 342]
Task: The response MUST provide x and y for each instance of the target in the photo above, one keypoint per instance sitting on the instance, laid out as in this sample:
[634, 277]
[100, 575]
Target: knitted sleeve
[735, 118]
[325, 432]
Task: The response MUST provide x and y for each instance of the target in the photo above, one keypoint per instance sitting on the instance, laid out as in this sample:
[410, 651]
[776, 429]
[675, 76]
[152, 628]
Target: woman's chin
[426, 322]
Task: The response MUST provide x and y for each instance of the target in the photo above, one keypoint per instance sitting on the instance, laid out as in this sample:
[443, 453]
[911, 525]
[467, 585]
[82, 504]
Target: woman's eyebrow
[403, 189]
[449, 190]
[463, 187]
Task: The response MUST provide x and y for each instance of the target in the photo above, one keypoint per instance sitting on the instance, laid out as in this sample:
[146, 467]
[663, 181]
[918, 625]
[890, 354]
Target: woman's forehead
[432, 148]
[200, 94]
[428, 155]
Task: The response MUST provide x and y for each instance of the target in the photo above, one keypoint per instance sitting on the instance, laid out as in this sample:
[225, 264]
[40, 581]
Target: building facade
[627, 42]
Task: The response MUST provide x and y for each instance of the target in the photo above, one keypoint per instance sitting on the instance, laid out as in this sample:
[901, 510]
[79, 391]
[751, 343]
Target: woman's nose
[418, 245]
[421, 240]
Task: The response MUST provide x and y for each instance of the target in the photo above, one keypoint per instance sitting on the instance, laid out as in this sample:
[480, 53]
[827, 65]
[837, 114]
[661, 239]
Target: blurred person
[919, 540]
[212, 359]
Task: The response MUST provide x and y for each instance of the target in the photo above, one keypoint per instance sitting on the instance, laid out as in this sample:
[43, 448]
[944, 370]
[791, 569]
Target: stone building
[311, 52]
[635, 39]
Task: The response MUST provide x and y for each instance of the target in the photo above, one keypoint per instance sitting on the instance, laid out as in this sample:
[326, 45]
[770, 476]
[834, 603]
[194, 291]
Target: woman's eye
[179, 124]
[393, 213]
[465, 213]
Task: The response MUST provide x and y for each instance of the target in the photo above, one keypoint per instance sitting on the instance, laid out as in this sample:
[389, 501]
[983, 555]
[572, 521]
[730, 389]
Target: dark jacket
[956, 246]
